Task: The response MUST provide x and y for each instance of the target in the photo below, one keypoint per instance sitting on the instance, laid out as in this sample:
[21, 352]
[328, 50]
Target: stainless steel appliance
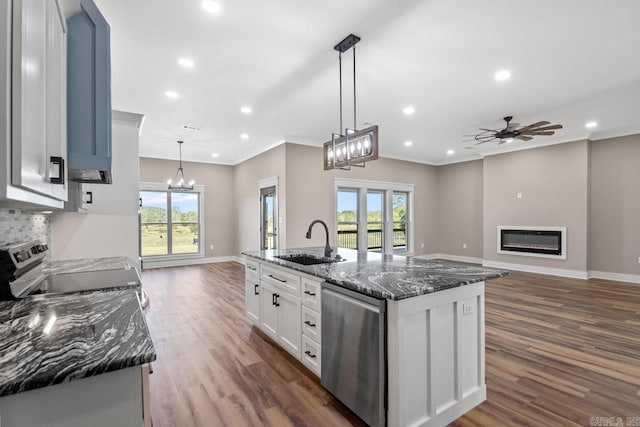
[22, 273]
[354, 351]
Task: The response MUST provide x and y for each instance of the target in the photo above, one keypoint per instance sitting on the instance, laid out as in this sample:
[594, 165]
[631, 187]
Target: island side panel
[435, 350]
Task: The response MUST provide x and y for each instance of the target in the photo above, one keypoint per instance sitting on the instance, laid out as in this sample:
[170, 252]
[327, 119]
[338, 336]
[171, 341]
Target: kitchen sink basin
[305, 259]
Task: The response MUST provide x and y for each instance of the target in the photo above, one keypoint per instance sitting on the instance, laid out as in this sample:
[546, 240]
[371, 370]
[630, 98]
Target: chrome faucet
[327, 248]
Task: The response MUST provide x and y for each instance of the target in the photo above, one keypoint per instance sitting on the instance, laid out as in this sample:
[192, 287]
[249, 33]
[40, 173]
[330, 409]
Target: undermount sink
[305, 259]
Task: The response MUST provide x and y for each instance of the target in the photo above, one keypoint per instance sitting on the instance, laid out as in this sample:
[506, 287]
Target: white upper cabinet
[33, 77]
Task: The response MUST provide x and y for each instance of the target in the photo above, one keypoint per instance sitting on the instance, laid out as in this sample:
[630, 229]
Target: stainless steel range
[24, 272]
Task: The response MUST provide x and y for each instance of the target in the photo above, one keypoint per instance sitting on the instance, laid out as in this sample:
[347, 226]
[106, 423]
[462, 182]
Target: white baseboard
[194, 261]
[448, 257]
[619, 277]
[576, 274]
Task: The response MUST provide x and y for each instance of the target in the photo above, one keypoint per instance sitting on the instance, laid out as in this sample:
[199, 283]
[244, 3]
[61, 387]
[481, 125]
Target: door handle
[308, 323]
[273, 299]
[56, 170]
[277, 303]
[255, 290]
[311, 355]
[89, 197]
[310, 293]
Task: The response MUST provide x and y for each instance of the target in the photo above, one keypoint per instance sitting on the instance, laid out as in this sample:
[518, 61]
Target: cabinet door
[56, 113]
[269, 311]
[252, 297]
[289, 331]
[29, 78]
[89, 90]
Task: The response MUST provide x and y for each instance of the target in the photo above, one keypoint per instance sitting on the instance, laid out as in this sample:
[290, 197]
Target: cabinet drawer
[311, 355]
[311, 294]
[252, 269]
[311, 324]
[281, 279]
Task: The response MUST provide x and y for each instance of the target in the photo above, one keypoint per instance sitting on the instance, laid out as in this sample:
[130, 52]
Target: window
[374, 215]
[375, 240]
[347, 201]
[399, 206]
[170, 222]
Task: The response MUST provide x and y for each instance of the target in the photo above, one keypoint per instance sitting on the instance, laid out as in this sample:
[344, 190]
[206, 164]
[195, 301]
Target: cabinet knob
[310, 293]
[308, 323]
[311, 355]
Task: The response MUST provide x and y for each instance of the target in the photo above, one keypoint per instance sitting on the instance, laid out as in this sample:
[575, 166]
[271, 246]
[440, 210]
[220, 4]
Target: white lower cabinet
[281, 317]
[285, 305]
[253, 299]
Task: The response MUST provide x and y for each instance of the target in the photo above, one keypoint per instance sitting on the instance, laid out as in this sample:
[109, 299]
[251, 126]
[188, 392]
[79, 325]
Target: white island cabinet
[435, 342]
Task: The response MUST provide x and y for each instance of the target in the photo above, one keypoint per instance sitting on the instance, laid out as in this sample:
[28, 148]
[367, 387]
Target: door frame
[262, 184]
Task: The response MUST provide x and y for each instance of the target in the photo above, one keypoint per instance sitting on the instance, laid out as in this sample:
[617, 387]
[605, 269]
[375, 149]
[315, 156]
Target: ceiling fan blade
[535, 125]
[535, 132]
[489, 130]
[552, 127]
[524, 138]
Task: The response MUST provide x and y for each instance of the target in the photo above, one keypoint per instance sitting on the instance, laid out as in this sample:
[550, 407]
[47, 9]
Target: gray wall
[219, 196]
[459, 206]
[247, 208]
[614, 228]
[310, 194]
[553, 181]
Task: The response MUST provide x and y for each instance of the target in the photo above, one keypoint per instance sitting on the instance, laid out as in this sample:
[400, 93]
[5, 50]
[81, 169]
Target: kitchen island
[73, 359]
[434, 322]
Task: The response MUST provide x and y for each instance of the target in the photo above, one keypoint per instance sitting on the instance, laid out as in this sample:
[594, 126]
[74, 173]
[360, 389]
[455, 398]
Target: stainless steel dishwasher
[354, 351]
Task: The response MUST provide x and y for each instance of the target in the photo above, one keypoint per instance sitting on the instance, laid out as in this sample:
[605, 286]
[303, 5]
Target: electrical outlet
[464, 246]
[211, 247]
[467, 309]
[639, 260]
[422, 246]
[519, 195]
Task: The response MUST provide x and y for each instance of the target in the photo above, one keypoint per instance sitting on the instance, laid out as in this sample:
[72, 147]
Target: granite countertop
[383, 276]
[88, 264]
[52, 339]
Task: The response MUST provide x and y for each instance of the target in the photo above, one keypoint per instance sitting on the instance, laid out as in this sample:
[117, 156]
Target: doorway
[268, 218]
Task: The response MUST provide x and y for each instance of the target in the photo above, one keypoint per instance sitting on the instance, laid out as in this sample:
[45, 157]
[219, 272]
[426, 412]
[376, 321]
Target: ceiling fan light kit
[354, 147]
[512, 132]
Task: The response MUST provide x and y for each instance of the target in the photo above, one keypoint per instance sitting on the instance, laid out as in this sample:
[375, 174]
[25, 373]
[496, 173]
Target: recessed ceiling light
[407, 111]
[503, 75]
[244, 136]
[591, 125]
[186, 62]
[171, 94]
[215, 155]
[451, 152]
[408, 143]
[212, 6]
[245, 110]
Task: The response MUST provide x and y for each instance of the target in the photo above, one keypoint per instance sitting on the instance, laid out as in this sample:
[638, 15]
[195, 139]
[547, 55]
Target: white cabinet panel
[289, 331]
[253, 299]
[269, 311]
[56, 107]
[311, 355]
[311, 293]
[311, 324]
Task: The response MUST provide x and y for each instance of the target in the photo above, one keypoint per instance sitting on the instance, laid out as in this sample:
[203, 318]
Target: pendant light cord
[340, 68]
[355, 128]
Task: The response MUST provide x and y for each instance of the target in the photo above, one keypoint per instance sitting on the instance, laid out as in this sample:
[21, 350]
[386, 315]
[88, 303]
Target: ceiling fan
[511, 132]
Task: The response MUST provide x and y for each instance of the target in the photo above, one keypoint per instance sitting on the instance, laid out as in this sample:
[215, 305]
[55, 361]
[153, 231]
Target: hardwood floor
[558, 351]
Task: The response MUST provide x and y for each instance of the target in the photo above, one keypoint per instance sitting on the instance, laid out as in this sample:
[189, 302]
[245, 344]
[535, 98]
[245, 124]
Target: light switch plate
[467, 309]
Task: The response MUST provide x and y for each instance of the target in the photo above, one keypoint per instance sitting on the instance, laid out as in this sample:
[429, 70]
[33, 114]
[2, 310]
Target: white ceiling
[572, 61]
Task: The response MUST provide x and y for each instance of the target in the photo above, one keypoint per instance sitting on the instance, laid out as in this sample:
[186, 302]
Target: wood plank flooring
[558, 351]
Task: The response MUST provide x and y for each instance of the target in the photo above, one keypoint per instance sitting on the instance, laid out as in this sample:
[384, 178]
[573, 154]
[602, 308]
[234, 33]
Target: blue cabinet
[89, 96]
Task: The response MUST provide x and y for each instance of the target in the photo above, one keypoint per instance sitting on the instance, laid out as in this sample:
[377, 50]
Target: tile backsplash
[17, 226]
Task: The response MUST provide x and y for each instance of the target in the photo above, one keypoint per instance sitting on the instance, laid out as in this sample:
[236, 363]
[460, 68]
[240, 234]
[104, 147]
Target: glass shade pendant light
[178, 182]
[354, 147]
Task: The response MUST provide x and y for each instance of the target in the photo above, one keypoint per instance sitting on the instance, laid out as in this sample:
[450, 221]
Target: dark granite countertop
[52, 339]
[383, 276]
[82, 265]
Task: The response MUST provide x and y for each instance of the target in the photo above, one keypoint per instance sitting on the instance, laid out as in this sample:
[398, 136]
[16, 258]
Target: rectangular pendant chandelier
[353, 149]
